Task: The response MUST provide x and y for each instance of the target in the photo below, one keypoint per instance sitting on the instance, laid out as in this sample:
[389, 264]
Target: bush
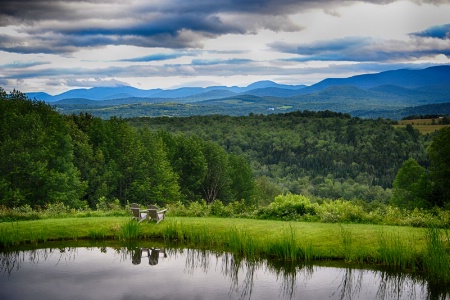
[105, 205]
[198, 209]
[341, 211]
[288, 207]
[218, 209]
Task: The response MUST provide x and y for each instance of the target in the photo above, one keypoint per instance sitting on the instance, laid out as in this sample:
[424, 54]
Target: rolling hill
[362, 95]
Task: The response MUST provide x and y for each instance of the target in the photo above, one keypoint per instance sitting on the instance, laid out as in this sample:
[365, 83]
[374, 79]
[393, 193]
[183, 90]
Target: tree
[439, 152]
[411, 186]
[187, 160]
[36, 150]
[154, 181]
[216, 184]
[242, 180]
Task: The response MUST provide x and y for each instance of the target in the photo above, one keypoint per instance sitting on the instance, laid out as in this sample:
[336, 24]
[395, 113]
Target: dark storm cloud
[56, 26]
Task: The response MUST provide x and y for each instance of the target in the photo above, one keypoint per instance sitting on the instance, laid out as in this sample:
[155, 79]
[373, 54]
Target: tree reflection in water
[243, 273]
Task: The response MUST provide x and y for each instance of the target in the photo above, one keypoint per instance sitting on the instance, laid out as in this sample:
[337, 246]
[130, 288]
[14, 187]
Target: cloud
[209, 62]
[439, 32]
[23, 64]
[54, 26]
[153, 57]
[96, 82]
[362, 49]
[65, 27]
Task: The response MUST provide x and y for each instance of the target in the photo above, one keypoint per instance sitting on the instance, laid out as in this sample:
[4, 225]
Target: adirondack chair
[154, 214]
[136, 212]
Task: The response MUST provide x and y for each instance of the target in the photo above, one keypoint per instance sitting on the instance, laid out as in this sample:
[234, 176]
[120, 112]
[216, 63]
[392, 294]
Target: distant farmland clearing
[423, 125]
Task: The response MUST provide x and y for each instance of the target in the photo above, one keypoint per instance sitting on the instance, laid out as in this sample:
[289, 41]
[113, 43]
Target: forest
[81, 160]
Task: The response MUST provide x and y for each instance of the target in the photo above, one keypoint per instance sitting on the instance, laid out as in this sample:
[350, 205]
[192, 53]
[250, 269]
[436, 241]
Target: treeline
[79, 159]
[324, 154]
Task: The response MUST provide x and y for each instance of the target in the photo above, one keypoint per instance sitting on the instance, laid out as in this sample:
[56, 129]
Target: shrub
[218, 209]
[198, 209]
[105, 205]
[341, 211]
[288, 207]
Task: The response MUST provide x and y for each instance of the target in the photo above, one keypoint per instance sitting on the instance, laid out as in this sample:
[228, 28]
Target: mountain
[109, 93]
[403, 82]
[40, 96]
[368, 95]
[105, 93]
[273, 91]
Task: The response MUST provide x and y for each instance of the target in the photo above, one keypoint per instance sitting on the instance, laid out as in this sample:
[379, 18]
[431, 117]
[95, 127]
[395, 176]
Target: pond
[155, 272]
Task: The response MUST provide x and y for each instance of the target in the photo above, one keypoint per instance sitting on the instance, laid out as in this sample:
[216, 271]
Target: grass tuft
[436, 259]
[129, 230]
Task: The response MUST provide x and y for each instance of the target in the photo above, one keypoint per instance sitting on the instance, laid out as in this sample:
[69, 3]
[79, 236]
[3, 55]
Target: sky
[54, 46]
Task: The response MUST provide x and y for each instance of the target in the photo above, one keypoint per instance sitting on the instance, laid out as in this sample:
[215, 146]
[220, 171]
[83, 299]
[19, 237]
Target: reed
[9, 235]
[199, 236]
[347, 243]
[128, 231]
[396, 252]
[172, 231]
[241, 243]
[287, 247]
[308, 252]
[436, 259]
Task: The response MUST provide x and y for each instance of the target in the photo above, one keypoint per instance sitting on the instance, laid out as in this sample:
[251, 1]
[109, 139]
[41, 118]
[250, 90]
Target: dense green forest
[47, 157]
[324, 154]
[78, 159]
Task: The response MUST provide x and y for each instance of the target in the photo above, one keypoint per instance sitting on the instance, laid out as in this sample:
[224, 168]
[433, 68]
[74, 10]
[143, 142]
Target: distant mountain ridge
[396, 82]
[367, 95]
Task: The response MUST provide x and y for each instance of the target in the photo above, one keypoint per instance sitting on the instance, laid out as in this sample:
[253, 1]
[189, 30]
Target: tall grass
[172, 231]
[241, 243]
[436, 259]
[286, 247]
[9, 235]
[347, 243]
[129, 230]
[396, 252]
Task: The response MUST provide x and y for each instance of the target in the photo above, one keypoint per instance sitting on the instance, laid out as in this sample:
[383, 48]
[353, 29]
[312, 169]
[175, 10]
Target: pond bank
[402, 248]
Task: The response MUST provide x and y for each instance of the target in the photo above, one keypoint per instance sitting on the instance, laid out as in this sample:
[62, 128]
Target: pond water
[151, 272]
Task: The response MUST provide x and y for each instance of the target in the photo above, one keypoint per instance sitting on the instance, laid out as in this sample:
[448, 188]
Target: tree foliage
[80, 159]
[36, 150]
[325, 154]
[439, 152]
[411, 186]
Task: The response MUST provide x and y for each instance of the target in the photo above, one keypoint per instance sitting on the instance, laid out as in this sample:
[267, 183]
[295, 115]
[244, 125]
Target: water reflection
[153, 255]
[123, 273]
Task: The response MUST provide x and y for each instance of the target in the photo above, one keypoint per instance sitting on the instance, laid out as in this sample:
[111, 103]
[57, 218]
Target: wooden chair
[136, 213]
[153, 214]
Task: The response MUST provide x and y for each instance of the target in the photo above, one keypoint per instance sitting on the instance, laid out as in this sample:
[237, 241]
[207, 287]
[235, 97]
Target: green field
[424, 126]
[326, 239]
